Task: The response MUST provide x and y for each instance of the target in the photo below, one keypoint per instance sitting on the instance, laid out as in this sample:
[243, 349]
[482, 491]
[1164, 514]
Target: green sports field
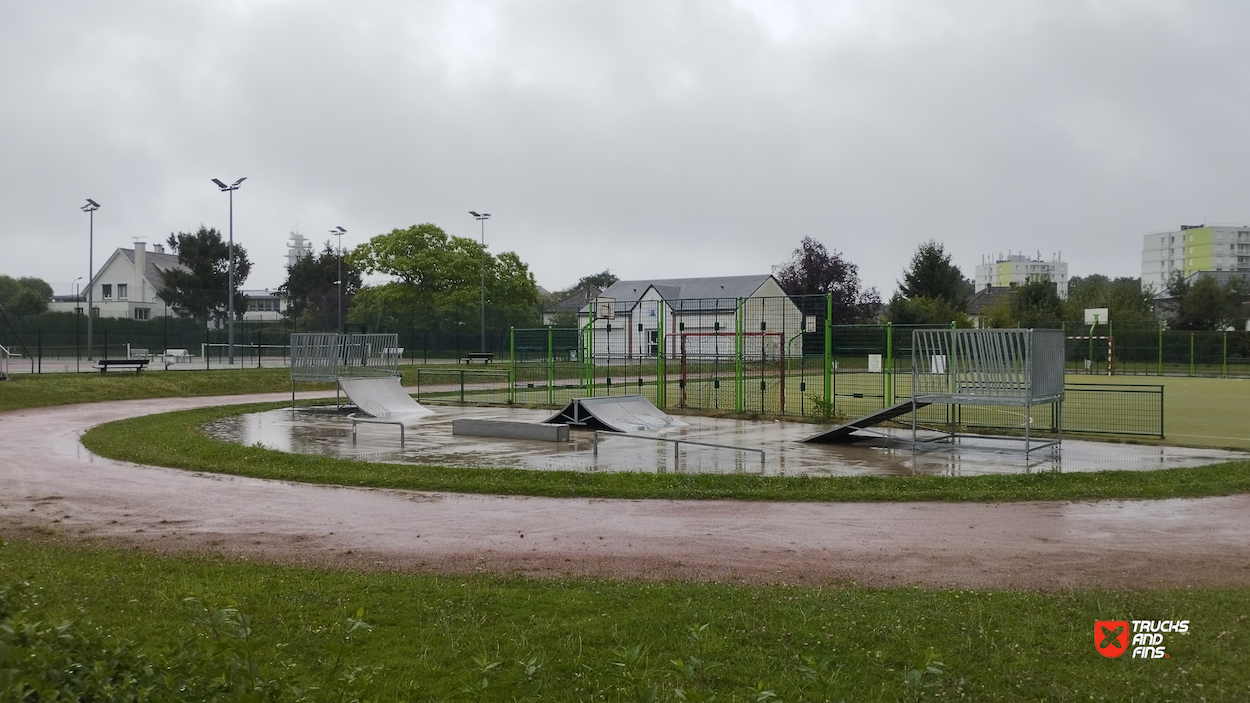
[1201, 412]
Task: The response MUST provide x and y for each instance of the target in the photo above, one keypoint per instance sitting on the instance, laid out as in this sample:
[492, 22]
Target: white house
[127, 285]
[700, 318]
[264, 305]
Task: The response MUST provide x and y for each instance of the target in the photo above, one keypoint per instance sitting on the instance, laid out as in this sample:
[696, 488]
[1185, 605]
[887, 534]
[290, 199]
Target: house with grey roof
[572, 304]
[127, 285]
[695, 318]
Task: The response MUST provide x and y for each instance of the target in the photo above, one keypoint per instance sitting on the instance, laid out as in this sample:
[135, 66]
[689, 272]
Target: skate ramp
[383, 398]
[844, 434]
[616, 413]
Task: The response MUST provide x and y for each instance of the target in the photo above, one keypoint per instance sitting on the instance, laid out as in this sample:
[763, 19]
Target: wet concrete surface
[429, 441]
[48, 480]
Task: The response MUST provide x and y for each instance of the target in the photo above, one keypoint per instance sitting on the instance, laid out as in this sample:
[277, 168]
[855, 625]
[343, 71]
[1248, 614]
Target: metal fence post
[739, 397]
[512, 365]
[551, 368]
[661, 393]
[829, 352]
[889, 364]
[1191, 354]
[1225, 354]
[1160, 366]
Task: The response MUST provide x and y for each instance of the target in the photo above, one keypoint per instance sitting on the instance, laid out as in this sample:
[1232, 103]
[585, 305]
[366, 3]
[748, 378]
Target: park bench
[173, 356]
[484, 357]
[136, 364]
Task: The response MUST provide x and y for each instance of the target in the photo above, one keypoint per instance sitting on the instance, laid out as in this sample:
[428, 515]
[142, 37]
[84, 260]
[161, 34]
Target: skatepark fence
[327, 356]
[759, 356]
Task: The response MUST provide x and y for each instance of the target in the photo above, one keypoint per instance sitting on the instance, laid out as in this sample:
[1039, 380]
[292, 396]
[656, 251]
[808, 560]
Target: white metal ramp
[615, 413]
[385, 400]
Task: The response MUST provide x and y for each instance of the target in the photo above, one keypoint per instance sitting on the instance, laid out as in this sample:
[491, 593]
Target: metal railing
[677, 446]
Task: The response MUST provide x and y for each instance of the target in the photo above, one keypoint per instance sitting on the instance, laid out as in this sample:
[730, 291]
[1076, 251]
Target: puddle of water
[429, 441]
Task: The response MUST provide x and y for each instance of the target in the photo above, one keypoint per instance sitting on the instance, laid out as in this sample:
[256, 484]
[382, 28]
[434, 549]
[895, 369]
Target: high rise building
[1013, 269]
[1194, 249]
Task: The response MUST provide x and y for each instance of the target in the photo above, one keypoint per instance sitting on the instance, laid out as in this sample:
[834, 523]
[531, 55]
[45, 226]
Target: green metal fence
[777, 356]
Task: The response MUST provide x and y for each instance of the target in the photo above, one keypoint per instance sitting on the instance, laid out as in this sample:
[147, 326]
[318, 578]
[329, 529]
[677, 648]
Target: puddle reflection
[429, 441]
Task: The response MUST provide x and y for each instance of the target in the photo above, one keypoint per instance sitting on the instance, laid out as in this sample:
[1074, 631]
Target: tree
[813, 270]
[25, 296]
[932, 275]
[1205, 304]
[312, 289]
[203, 291]
[924, 311]
[600, 280]
[1036, 301]
[1124, 298]
[438, 280]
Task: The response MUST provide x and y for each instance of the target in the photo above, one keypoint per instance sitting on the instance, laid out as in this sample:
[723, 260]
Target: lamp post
[483, 218]
[339, 232]
[230, 304]
[90, 209]
[77, 314]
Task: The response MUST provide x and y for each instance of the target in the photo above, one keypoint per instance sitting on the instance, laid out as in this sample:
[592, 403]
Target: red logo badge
[1111, 637]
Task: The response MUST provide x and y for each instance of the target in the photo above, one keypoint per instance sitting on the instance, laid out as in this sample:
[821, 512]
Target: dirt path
[47, 479]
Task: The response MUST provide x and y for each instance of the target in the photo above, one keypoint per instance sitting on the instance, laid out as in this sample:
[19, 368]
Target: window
[121, 291]
[142, 313]
[106, 290]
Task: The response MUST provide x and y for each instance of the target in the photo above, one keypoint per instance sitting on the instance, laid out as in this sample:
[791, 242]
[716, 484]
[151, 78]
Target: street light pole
[230, 304]
[483, 218]
[77, 315]
[339, 232]
[90, 209]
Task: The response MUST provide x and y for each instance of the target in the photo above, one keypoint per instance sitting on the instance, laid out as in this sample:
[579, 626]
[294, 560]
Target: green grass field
[490, 638]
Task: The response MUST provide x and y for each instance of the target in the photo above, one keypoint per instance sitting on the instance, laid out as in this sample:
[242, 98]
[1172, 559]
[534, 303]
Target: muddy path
[48, 480]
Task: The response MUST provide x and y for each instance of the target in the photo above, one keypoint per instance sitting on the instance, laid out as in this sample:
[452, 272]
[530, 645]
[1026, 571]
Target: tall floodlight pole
[339, 232]
[483, 218]
[230, 304]
[77, 315]
[90, 209]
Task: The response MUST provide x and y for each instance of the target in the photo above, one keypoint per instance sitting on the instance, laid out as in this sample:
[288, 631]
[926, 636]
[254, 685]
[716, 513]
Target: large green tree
[203, 290]
[931, 274]
[437, 283]
[313, 292]
[1206, 304]
[1124, 298]
[814, 270]
[933, 290]
[22, 297]
[1036, 301]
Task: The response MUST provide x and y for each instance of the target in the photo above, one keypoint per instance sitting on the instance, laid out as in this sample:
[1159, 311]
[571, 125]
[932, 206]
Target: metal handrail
[677, 445]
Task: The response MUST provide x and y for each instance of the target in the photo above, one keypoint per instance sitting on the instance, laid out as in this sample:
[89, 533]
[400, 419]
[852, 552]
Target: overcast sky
[656, 139]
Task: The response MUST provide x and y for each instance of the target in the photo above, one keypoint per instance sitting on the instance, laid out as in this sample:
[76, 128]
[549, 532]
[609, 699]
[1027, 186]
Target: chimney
[158, 248]
[138, 292]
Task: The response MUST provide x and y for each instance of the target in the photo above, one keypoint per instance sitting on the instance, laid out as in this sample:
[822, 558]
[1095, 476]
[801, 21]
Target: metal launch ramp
[615, 413]
[383, 398]
[843, 434]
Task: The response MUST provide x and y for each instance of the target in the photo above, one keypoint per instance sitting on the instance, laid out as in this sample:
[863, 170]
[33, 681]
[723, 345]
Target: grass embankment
[505, 638]
[41, 390]
[175, 440]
